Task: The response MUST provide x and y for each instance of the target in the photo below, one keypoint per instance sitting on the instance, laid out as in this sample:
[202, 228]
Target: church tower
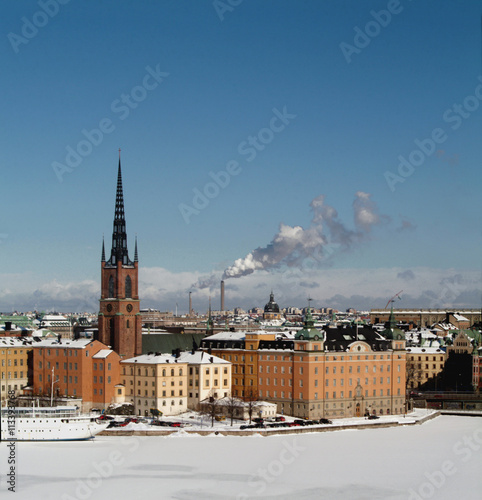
[120, 324]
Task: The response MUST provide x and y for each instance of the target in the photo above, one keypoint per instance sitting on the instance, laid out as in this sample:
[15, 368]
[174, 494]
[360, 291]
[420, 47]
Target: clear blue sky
[356, 112]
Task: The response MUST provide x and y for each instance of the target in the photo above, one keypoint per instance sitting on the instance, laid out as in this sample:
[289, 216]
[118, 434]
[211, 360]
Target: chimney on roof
[8, 326]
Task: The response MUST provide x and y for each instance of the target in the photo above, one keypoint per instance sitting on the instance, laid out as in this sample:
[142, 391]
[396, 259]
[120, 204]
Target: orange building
[81, 368]
[337, 372]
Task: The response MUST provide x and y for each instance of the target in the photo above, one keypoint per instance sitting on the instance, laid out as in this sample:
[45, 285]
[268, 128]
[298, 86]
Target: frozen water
[440, 459]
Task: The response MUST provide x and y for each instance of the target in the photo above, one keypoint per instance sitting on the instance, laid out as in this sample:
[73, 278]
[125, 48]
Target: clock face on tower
[109, 307]
[129, 307]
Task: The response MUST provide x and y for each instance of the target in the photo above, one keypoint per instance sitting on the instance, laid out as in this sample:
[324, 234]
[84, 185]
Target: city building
[427, 317]
[172, 383]
[271, 309]
[424, 365]
[15, 354]
[120, 323]
[81, 368]
[58, 324]
[335, 372]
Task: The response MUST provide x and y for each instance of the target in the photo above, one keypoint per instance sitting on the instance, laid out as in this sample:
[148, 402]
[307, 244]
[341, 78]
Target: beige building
[155, 381]
[208, 376]
[461, 344]
[171, 383]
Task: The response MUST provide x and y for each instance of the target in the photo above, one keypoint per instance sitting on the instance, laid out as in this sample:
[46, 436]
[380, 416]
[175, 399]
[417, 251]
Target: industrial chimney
[190, 304]
[222, 296]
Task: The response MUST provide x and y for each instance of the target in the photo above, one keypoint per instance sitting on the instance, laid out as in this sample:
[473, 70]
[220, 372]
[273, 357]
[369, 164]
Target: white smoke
[294, 244]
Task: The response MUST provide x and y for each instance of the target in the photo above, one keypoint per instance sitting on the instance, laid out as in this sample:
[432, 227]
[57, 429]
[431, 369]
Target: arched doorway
[357, 410]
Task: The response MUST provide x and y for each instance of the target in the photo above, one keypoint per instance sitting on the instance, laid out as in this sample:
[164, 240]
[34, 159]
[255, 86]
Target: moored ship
[55, 423]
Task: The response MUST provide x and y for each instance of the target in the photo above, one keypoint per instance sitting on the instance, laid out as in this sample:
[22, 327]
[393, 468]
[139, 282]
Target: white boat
[53, 423]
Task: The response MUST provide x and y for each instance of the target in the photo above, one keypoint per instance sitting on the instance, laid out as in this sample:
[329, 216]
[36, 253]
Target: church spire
[103, 250]
[119, 235]
[136, 258]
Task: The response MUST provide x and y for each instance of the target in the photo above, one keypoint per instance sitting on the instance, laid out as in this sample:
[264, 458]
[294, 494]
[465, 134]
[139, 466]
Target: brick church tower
[120, 324]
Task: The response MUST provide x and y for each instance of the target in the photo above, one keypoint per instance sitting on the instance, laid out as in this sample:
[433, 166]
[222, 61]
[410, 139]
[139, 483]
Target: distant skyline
[320, 149]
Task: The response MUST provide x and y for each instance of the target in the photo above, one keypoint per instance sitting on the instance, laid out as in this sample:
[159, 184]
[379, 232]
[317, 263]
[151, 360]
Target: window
[111, 287]
[128, 291]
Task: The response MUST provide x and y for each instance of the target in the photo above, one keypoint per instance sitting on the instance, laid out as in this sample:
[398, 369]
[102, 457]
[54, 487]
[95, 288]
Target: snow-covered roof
[103, 353]
[227, 336]
[64, 343]
[459, 317]
[198, 357]
[425, 350]
[15, 341]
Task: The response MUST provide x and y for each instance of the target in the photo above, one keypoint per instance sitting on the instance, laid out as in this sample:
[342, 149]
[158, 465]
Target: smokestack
[222, 296]
[190, 304]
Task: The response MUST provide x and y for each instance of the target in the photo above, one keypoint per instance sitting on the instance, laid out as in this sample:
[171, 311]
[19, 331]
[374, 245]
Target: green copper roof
[309, 332]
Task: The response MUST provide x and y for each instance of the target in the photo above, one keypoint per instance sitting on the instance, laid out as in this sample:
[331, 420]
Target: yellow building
[14, 355]
[423, 364]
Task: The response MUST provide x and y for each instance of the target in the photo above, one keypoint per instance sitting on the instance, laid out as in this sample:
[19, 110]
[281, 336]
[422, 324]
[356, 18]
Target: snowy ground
[440, 459]
[193, 421]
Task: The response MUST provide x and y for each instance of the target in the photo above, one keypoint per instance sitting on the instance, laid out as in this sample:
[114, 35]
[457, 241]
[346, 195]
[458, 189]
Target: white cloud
[339, 288]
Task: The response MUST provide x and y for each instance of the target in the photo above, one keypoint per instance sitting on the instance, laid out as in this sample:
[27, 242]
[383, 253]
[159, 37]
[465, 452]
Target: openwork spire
[119, 235]
[103, 250]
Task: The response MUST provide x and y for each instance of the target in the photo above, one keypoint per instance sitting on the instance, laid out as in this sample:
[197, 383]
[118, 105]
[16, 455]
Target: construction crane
[394, 297]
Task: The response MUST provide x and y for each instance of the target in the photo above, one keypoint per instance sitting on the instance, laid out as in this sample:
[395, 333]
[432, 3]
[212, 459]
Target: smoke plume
[294, 244]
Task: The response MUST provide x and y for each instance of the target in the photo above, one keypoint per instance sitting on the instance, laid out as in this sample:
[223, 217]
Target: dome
[271, 306]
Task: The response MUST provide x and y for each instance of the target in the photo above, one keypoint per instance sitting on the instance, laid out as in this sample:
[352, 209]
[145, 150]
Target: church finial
[136, 258]
[103, 250]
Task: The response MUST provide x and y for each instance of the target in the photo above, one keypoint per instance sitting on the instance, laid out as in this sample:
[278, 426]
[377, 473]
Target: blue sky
[353, 112]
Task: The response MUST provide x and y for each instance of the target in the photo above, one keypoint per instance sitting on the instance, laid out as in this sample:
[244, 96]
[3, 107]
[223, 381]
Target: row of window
[74, 365]
[341, 394]
[327, 381]
[10, 375]
[66, 352]
[15, 362]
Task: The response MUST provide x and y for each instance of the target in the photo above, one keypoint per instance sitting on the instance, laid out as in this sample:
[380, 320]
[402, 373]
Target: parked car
[325, 421]
[176, 424]
[280, 419]
[104, 417]
[258, 420]
[373, 417]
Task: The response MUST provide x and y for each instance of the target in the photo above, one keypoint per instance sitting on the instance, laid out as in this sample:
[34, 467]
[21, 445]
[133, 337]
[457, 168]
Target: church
[120, 323]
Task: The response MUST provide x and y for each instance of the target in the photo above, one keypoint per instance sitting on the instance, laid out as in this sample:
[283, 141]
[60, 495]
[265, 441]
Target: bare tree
[251, 397]
[210, 407]
[232, 404]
